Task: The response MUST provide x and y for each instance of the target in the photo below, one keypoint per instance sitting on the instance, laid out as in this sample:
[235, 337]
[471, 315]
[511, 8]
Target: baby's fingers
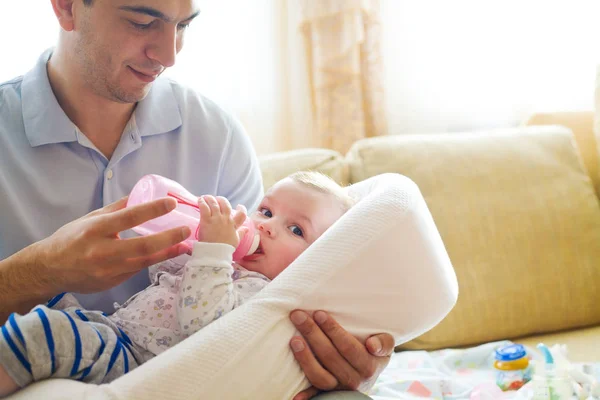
[243, 231]
[240, 216]
[224, 205]
[204, 208]
[213, 204]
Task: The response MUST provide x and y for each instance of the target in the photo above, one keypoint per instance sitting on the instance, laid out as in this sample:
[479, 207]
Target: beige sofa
[519, 213]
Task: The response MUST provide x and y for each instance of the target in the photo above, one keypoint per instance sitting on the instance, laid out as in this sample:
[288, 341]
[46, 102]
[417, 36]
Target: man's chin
[131, 96]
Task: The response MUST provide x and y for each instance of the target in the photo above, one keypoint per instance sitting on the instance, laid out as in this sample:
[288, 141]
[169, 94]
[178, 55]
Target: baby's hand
[217, 225]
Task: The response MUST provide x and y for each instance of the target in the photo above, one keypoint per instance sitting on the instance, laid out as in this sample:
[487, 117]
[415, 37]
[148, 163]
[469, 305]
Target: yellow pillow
[519, 218]
[277, 166]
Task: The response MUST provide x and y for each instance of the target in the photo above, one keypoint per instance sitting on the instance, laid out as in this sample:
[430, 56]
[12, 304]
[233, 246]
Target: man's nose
[165, 48]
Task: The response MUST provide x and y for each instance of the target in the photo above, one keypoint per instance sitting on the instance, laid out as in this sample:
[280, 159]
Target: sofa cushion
[277, 166]
[519, 218]
[597, 122]
[582, 344]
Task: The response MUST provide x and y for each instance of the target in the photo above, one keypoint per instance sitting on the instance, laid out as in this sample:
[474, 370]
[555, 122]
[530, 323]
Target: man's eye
[182, 27]
[266, 212]
[140, 26]
[296, 230]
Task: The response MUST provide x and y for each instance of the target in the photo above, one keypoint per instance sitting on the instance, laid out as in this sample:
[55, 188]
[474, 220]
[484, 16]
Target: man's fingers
[136, 264]
[348, 346]
[146, 246]
[314, 371]
[112, 207]
[326, 352]
[307, 393]
[129, 217]
[381, 345]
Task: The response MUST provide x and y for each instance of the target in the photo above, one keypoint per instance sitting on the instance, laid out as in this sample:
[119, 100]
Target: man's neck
[101, 120]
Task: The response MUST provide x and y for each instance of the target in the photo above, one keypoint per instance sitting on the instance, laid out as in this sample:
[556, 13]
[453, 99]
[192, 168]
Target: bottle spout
[254, 245]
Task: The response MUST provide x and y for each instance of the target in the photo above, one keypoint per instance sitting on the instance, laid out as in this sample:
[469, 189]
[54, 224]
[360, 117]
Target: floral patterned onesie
[182, 299]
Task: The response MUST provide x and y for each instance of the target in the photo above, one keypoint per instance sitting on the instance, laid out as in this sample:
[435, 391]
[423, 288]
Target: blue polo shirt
[51, 174]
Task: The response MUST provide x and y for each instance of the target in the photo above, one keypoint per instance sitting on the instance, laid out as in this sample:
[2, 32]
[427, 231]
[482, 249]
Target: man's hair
[324, 184]
[88, 2]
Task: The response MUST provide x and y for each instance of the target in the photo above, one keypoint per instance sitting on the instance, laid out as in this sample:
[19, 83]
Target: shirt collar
[46, 122]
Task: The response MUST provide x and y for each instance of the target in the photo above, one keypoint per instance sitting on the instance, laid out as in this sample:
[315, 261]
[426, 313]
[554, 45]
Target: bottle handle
[182, 200]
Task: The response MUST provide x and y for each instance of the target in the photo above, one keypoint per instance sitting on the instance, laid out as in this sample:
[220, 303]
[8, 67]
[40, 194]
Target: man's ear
[63, 9]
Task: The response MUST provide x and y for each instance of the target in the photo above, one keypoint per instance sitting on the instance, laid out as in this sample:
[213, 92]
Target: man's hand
[333, 359]
[217, 224]
[87, 255]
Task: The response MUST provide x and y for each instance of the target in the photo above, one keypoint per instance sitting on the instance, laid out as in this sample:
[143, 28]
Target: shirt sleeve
[207, 289]
[241, 179]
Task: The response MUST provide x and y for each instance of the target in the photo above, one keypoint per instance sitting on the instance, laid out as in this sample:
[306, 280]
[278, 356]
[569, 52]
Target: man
[82, 127]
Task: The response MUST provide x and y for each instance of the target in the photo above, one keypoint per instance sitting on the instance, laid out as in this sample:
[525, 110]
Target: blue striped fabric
[15, 327]
[114, 355]
[81, 315]
[86, 371]
[15, 349]
[54, 300]
[77, 359]
[100, 350]
[125, 361]
[49, 338]
[126, 341]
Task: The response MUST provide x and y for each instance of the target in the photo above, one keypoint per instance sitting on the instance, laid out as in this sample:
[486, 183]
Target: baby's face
[290, 217]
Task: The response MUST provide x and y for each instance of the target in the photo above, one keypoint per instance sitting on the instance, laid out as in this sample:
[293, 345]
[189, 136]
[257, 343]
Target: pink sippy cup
[151, 187]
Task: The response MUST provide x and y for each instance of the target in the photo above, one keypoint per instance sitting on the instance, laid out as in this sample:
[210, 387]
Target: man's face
[121, 46]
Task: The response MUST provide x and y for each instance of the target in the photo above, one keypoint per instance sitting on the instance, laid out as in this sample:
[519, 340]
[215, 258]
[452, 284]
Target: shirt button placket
[108, 186]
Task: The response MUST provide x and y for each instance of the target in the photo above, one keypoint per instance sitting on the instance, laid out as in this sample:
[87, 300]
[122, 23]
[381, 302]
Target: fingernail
[376, 346]
[170, 204]
[298, 317]
[186, 232]
[320, 317]
[297, 345]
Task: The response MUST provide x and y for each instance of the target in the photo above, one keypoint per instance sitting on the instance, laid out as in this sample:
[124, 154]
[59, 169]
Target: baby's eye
[296, 230]
[266, 212]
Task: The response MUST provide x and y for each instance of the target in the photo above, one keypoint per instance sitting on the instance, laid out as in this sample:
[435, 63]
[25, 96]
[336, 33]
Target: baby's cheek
[292, 252]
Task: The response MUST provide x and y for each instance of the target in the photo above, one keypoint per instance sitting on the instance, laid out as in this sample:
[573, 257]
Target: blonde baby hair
[324, 184]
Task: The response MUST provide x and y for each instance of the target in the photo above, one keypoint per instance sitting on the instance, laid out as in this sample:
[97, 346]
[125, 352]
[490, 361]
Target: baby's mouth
[257, 254]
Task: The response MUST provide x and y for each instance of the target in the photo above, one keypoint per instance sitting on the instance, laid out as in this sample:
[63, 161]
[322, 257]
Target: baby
[62, 340]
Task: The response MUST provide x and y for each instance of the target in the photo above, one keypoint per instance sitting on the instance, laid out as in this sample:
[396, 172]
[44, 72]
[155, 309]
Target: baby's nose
[266, 228]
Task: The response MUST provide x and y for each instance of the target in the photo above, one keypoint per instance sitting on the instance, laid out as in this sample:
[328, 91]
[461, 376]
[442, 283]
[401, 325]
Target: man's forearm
[23, 283]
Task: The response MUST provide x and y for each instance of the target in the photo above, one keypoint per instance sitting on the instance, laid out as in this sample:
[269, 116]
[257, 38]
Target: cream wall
[449, 66]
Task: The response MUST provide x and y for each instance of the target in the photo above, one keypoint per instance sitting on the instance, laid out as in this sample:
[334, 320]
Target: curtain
[345, 66]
